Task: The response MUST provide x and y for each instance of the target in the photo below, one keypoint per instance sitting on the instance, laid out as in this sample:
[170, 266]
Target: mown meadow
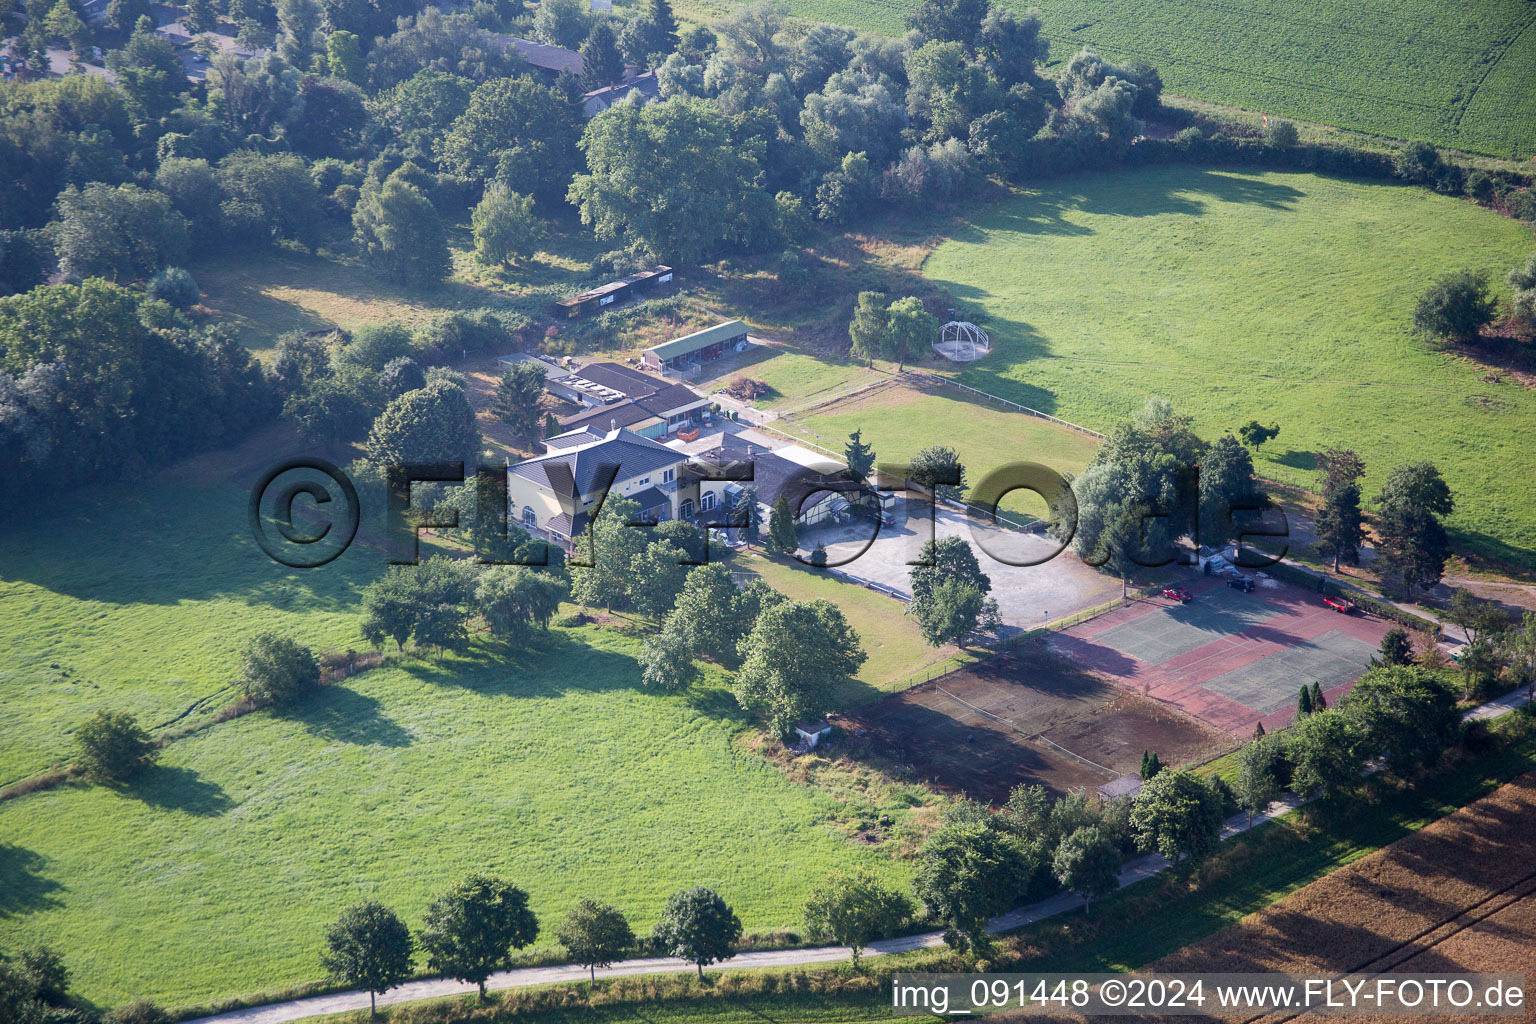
[1286, 298]
[1458, 75]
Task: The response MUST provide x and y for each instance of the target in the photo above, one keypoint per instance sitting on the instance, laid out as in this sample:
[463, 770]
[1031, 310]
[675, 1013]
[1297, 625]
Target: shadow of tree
[179, 789]
[23, 887]
[342, 714]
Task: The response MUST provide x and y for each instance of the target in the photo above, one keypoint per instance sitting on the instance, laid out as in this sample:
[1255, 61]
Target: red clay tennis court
[1229, 658]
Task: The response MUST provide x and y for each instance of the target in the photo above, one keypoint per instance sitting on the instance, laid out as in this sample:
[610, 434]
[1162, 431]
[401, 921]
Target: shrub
[373, 346]
[175, 286]
[112, 748]
[141, 1012]
[277, 669]
[1280, 134]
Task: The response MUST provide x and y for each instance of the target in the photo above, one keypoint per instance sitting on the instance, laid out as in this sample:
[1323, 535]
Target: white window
[668, 475]
[530, 520]
[664, 278]
[642, 481]
[605, 300]
[707, 501]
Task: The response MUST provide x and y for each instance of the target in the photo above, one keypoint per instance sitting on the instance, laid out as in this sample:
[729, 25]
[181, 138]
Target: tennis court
[1230, 659]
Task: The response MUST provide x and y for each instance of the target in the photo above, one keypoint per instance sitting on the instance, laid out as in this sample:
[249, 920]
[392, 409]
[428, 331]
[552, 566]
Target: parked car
[1178, 594]
[1243, 583]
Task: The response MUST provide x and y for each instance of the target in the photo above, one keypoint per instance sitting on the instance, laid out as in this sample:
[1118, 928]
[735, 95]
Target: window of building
[606, 299]
[530, 520]
[707, 501]
[668, 475]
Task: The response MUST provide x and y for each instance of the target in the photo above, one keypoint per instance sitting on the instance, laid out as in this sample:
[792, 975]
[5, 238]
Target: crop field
[1459, 895]
[1026, 718]
[1458, 75]
[1286, 298]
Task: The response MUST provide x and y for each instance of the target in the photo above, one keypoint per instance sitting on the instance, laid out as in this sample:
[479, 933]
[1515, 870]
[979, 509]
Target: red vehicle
[1178, 594]
[1339, 604]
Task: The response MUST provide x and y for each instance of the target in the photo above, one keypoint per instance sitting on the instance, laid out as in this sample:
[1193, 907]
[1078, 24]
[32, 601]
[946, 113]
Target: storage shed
[683, 357]
[645, 283]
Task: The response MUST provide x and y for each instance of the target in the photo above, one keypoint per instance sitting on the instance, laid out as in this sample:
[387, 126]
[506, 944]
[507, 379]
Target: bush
[141, 1012]
[175, 286]
[277, 669]
[373, 347]
[112, 748]
[1280, 134]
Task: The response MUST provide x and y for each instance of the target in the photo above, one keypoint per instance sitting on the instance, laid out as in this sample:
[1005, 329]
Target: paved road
[1137, 870]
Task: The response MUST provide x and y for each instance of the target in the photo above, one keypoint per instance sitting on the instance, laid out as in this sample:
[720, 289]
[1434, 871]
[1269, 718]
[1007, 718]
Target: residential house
[614, 396]
[549, 62]
[599, 100]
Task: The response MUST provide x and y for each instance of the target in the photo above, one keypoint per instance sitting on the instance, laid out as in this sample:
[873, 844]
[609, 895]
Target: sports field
[1228, 658]
[1026, 717]
[1286, 298]
[1459, 75]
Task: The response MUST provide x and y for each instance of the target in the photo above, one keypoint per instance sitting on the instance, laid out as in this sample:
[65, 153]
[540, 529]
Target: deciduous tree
[697, 926]
[794, 661]
[470, 931]
[1087, 863]
[852, 908]
[595, 935]
[1178, 814]
[111, 747]
[368, 947]
[277, 669]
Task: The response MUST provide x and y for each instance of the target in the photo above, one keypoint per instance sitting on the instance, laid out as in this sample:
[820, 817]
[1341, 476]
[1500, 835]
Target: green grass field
[215, 874]
[1459, 75]
[1282, 297]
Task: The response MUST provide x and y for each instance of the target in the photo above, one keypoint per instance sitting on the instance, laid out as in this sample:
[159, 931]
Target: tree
[1477, 618]
[782, 533]
[1455, 307]
[794, 661]
[1226, 488]
[431, 424]
[1396, 647]
[945, 559]
[335, 408]
[711, 615]
[1325, 754]
[517, 132]
[149, 73]
[45, 970]
[298, 23]
[852, 908]
[505, 227]
[268, 195]
[471, 930]
[514, 599]
[1088, 863]
[401, 374]
[697, 926]
[276, 669]
[400, 233]
[200, 16]
[1280, 134]
[1414, 544]
[123, 232]
[860, 457]
[18, 997]
[420, 110]
[748, 515]
[595, 935]
[1522, 283]
[1259, 775]
[416, 601]
[666, 661]
[950, 612]
[561, 23]
[602, 64]
[1340, 525]
[968, 873]
[1404, 714]
[611, 545]
[1318, 703]
[368, 947]
[1151, 764]
[931, 467]
[1178, 814]
[174, 286]
[956, 20]
[911, 330]
[335, 117]
[656, 577]
[675, 178]
[867, 331]
[1304, 703]
[519, 397]
[1255, 433]
[110, 747]
[344, 57]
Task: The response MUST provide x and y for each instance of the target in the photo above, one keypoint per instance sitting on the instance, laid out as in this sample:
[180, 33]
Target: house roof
[649, 498]
[599, 100]
[698, 339]
[670, 399]
[563, 525]
[542, 55]
[773, 475]
[598, 379]
[572, 438]
[572, 472]
[602, 418]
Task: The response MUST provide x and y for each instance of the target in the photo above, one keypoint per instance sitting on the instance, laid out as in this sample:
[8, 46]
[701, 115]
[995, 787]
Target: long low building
[646, 282]
[685, 356]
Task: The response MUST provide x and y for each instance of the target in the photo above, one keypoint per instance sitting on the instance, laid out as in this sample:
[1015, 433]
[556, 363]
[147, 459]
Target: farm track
[1490, 67]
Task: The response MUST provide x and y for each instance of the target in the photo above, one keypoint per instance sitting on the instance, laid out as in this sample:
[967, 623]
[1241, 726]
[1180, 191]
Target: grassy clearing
[794, 377]
[1456, 74]
[1281, 297]
[216, 874]
[900, 422]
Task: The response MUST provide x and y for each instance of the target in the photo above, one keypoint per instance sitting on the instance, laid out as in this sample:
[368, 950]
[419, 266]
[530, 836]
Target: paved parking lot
[1027, 596]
